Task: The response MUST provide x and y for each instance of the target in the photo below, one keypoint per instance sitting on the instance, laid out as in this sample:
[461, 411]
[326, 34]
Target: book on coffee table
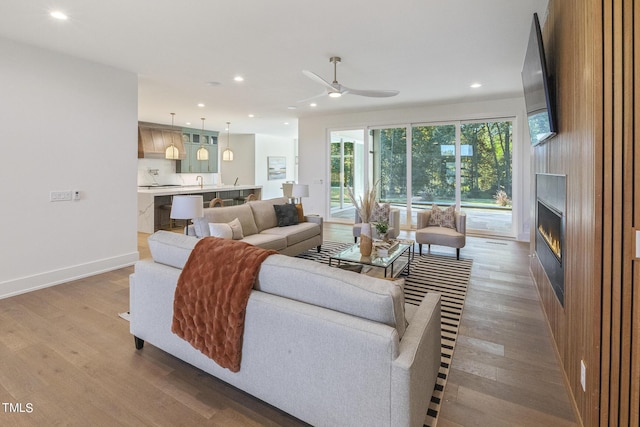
[383, 249]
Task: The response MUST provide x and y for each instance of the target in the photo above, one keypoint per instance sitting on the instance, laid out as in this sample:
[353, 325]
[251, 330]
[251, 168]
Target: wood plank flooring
[65, 351]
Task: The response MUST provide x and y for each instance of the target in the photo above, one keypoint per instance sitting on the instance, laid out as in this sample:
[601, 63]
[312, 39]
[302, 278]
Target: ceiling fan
[336, 90]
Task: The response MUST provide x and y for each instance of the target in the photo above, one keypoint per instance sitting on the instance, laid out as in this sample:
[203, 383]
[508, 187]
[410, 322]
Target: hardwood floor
[65, 351]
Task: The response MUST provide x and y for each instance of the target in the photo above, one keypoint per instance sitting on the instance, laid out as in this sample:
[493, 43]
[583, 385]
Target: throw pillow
[300, 212]
[443, 218]
[286, 214]
[220, 230]
[236, 229]
[380, 212]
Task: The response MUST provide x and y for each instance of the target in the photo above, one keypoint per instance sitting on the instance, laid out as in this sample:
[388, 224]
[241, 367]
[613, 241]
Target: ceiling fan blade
[313, 97]
[371, 93]
[316, 78]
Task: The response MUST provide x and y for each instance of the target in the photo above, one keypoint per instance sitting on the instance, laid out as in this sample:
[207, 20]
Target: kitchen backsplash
[159, 171]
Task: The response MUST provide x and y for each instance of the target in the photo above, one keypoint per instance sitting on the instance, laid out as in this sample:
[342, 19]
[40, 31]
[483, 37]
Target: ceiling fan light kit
[336, 90]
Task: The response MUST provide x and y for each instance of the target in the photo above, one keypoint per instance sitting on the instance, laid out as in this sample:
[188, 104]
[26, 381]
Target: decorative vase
[366, 240]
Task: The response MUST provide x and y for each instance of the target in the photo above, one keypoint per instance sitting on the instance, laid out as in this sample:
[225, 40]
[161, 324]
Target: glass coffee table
[392, 265]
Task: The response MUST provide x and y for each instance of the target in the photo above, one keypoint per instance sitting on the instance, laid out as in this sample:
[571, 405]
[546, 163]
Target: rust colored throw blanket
[211, 297]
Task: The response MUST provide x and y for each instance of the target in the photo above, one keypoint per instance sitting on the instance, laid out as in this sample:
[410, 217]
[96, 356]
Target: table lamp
[299, 191]
[186, 207]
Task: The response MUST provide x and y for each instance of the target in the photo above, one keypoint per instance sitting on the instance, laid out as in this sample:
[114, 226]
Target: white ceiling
[429, 50]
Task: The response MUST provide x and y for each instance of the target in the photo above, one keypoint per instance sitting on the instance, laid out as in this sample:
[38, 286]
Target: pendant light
[172, 152]
[227, 154]
[202, 153]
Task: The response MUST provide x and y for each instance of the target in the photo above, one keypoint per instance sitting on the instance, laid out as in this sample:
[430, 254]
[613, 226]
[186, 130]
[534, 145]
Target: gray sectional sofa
[260, 226]
[328, 346]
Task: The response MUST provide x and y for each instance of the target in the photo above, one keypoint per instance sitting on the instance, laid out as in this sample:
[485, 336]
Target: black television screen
[538, 91]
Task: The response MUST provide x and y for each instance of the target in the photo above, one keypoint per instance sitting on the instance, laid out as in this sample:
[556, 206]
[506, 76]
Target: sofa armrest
[423, 219]
[394, 222]
[461, 222]
[415, 370]
[317, 219]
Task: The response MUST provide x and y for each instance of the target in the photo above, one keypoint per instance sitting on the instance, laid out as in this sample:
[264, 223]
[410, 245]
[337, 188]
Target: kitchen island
[154, 203]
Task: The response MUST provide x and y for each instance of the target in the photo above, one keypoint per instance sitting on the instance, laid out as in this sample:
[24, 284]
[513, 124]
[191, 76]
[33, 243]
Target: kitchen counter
[192, 189]
[154, 203]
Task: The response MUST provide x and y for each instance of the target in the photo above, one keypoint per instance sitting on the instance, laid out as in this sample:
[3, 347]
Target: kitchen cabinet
[193, 139]
[191, 164]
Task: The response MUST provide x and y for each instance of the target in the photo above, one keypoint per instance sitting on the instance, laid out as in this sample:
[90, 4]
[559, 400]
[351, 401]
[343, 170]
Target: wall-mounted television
[539, 94]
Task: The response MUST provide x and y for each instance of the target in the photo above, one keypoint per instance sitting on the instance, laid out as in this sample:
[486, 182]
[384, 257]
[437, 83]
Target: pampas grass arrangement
[364, 205]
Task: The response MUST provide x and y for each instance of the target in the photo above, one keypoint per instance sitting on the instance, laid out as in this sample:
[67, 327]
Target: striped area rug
[429, 273]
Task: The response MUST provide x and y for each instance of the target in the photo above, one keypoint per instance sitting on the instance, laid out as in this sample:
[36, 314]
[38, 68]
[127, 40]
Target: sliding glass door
[433, 167]
[347, 170]
[388, 161]
[463, 163]
[486, 175]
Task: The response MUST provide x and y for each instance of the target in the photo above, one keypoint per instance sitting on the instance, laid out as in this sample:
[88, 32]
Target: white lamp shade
[202, 154]
[186, 207]
[172, 153]
[300, 190]
[287, 190]
[227, 155]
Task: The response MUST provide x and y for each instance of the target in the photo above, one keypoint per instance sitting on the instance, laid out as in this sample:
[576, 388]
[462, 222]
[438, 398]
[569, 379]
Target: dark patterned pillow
[286, 214]
[443, 218]
[380, 212]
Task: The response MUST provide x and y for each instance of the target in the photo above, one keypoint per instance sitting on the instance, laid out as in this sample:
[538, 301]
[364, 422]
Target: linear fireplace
[551, 197]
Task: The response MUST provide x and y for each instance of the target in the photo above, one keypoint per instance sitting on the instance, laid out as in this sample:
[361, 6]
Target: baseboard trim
[47, 279]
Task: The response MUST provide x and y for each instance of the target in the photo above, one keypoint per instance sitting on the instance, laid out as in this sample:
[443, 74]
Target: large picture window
[467, 163]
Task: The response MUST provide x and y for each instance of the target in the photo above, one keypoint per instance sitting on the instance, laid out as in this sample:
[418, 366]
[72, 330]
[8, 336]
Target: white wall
[67, 124]
[314, 150]
[268, 145]
[243, 165]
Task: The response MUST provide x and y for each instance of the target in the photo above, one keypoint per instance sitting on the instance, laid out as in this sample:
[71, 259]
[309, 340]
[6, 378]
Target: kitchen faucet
[200, 180]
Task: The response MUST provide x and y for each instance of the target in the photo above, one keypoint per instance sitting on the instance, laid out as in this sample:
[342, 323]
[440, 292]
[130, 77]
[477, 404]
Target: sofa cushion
[295, 233]
[267, 241]
[380, 212]
[286, 214]
[226, 214]
[220, 229]
[171, 249]
[443, 218]
[307, 281]
[264, 214]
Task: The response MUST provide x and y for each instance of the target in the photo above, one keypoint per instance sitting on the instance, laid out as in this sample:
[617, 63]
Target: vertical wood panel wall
[591, 49]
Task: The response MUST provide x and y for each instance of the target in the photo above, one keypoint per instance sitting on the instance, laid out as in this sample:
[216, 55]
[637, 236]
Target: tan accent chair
[443, 236]
[216, 202]
[394, 225]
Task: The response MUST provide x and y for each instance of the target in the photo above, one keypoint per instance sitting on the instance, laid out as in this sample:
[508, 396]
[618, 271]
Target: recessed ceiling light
[292, 107]
[59, 15]
[475, 85]
[201, 105]
[313, 104]
[335, 94]
[251, 115]
[286, 123]
[187, 123]
[213, 83]
[238, 78]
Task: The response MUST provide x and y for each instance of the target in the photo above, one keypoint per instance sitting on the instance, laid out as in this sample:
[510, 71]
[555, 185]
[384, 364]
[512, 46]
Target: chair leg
[355, 239]
[458, 253]
[420, 248]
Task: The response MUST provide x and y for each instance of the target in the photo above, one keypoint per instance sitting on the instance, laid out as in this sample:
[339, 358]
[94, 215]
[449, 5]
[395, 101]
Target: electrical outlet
[59, 196]
[583, 376]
